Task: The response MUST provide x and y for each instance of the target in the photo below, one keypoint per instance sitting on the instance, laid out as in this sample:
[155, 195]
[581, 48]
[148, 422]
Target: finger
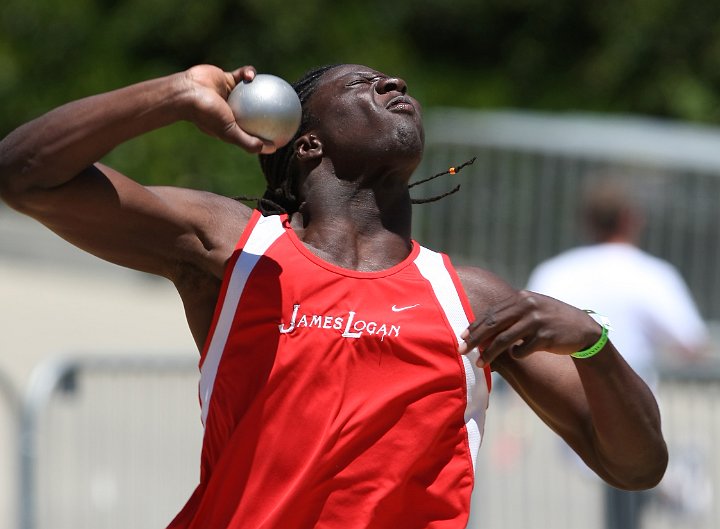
[482, 331]
[237, 136]
[467, 342]
[467, 350]
[244, 73]
[525, 348]
[268, 147]
[514, 336]
[495, 320]
[463, 348]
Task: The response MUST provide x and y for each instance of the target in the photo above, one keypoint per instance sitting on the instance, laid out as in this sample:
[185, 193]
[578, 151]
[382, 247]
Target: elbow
[649, 478]
[12, 195]
[644, 474]
[20, 179]
[13, 185]
[8, 194]
[20, 171]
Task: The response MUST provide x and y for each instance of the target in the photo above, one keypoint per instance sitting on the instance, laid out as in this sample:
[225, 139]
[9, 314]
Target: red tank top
[333, 398]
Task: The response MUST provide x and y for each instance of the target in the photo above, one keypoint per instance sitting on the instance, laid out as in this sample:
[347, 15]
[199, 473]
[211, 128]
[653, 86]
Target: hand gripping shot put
[267, 107]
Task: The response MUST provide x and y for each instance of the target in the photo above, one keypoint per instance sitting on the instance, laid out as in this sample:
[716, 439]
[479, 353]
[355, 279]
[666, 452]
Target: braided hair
[281, 174]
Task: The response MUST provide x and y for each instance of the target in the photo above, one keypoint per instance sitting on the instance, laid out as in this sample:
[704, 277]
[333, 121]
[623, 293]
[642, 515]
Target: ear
[308, 147]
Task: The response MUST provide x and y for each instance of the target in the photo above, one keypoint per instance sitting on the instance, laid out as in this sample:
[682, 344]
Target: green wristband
[597, 346]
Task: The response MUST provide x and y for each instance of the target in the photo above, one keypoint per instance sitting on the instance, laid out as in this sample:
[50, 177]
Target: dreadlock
[281, 174]
[451, 171]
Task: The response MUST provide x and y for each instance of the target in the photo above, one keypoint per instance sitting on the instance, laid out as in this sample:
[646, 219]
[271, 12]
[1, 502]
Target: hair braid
[280, 172]
[450, 171]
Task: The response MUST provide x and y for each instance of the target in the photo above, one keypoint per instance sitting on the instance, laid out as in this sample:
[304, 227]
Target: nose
[391, 84]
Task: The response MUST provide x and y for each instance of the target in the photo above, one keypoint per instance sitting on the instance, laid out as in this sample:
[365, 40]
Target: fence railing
[527, 478]
[9, 451]
[109, 442]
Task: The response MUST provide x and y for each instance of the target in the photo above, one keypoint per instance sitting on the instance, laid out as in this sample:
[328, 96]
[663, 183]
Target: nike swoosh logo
[400, 309]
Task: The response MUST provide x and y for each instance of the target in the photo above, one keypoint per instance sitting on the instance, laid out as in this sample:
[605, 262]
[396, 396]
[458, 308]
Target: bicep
[115, 218]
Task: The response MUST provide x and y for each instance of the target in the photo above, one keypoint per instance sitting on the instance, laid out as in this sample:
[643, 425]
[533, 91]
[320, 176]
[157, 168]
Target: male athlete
[344, 368]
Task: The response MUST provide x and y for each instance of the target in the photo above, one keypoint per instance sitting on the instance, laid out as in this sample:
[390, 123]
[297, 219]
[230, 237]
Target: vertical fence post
[9, 394]
[43, 382]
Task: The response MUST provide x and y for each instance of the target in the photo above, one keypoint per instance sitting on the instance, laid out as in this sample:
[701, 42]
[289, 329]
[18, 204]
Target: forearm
[598, 404]
[600, 407]
[55, 147]
[626, 435]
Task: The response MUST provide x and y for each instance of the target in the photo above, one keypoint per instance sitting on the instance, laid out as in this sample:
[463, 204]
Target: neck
[362, 224]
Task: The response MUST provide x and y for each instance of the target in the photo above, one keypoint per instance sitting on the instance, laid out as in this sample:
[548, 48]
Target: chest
[305, 306]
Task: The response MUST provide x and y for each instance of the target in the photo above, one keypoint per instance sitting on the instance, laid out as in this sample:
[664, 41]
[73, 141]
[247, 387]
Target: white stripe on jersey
[264, 233]
[432, 267]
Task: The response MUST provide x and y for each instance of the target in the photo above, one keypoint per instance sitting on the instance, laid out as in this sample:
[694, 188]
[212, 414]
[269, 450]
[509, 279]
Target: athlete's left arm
[599, 405]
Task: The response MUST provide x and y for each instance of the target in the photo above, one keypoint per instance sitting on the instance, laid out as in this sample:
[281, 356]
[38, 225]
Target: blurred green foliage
[653, 57]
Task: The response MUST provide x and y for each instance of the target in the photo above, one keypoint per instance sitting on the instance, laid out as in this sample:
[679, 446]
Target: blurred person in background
[648, 304]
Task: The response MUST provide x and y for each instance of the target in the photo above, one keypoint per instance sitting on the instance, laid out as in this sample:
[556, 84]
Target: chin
[410, 142]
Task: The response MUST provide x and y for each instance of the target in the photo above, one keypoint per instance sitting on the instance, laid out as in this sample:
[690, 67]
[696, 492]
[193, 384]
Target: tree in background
[653, 57]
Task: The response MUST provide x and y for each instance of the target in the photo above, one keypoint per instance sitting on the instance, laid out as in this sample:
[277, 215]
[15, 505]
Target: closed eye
[364, 80]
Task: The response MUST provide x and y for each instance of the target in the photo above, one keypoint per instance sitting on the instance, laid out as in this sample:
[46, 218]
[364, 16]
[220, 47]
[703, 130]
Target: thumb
[236, 135]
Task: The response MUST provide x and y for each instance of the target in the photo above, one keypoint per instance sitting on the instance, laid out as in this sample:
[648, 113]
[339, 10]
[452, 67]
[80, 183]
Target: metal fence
[528, 479]
[9, 428]
[109, 442]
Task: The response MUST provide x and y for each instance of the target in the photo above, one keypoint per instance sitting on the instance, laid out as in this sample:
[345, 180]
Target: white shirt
[649, 305]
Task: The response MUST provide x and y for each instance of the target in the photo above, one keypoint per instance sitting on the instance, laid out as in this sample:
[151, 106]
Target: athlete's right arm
[49, 170]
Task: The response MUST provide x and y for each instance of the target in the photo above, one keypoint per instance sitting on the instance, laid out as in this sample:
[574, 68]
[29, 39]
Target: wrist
[147, 105]
[202, 91]
[182, 96]
[602, 340]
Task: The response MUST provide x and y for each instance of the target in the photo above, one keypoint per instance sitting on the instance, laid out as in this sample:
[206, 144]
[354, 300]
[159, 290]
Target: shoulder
[569, 259]
[483, 287]
[213, 224]
[575, 265]
[657, 264]
[213, 204]
[645, 268]
[208, 211]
